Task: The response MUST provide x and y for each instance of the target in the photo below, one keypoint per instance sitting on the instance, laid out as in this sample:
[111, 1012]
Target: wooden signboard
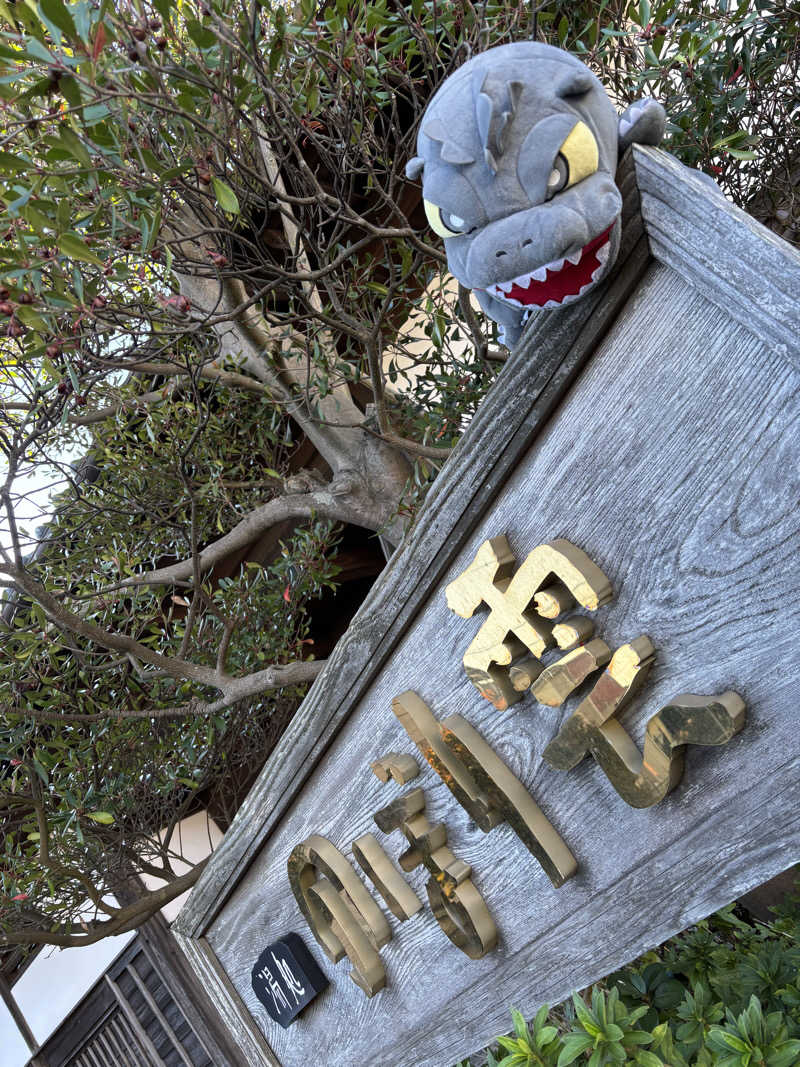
[654, 427]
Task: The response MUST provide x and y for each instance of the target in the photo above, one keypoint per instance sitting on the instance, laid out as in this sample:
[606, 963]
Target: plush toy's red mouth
[554, 283]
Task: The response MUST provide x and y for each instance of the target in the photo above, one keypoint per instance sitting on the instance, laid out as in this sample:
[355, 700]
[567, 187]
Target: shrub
[725, 993]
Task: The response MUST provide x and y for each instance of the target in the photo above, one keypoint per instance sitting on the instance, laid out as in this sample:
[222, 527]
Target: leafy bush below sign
[725, 993]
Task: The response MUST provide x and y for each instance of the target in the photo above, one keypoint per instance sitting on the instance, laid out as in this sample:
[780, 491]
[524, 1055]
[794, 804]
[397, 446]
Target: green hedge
[725, 993]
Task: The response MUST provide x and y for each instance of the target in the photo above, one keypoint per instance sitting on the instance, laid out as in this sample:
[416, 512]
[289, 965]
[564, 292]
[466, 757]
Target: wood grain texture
[533, 381]
[737, 263]
[255, 1052]
[683, 487]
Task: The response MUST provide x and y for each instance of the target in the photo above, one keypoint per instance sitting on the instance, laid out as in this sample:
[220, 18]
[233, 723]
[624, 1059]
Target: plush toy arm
[507, 318]
[643, 122]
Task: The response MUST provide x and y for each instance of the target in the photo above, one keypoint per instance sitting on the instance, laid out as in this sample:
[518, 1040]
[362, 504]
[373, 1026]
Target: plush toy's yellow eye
[442, 222]
[576, 160]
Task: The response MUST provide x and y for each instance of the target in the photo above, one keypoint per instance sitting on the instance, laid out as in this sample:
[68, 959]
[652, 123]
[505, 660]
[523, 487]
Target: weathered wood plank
[254, 1048]
[737, 263]
[683, 488]
[532, 383]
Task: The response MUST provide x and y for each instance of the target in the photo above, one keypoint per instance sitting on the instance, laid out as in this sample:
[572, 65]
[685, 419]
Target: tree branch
[299, 672]
[293, 506]
[128, 918]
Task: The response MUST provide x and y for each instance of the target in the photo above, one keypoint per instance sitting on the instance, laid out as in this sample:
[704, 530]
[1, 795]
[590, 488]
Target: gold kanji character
[521, 609]
[641, 779]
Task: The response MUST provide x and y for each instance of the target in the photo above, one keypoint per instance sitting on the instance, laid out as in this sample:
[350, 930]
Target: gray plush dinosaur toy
[518, 150]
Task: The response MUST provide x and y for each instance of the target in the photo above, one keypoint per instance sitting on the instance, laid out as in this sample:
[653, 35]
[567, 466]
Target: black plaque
[286, 978]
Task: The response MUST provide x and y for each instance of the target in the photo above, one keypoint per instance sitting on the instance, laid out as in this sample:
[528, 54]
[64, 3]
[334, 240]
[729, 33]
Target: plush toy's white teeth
[540, 274]
[502, 289]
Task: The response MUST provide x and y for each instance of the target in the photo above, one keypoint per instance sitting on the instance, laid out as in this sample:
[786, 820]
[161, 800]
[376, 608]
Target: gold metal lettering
[511, 798]
[419, 723]
[400, 809]
[398, 895]
[643, 780]
[512, 626]
[471, 770]
[624, 675]
[574, 631]
[458, 907]
[367, 970]
[556, 682]
[553, 601]
[397, 766]
[524, 671]
[342, 926]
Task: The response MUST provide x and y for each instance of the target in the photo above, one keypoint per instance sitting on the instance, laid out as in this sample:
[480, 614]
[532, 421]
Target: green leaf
[15, 164]
[786, 1056]
[73, 144]
[105, 818]
[73, 247]
[584, 1016]
[56, 12]
[154, 229]
[637, 1037]
[648, 1059]
[724, 1039]
[545, 1035]
[29, 318]
[520, 1026]
[226, 197]
[574, 1045]
[70, 90]
[95, 113]
[38, 51]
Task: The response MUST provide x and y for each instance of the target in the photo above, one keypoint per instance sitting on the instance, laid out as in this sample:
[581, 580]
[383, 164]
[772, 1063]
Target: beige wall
[194, 839]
